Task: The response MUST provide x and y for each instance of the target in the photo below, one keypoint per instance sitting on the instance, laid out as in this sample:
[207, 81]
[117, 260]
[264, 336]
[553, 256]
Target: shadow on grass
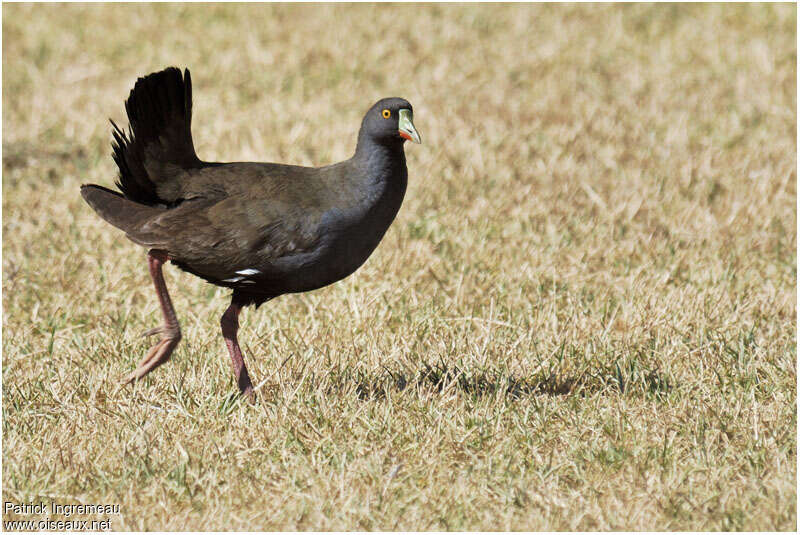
[480, 383]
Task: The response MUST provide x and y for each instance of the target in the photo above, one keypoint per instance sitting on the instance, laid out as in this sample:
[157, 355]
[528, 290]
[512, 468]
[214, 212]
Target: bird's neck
[382, 163]
[383, 177]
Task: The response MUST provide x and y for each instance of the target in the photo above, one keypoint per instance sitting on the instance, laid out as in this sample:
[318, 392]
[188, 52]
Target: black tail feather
[159, 138]
[133, 179]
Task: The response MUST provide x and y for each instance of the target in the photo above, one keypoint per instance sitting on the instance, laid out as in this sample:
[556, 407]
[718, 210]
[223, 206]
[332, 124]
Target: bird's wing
[219, 240]
[245, 216]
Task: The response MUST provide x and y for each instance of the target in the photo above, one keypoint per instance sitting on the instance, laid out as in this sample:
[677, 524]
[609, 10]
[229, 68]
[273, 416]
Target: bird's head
[390, 120]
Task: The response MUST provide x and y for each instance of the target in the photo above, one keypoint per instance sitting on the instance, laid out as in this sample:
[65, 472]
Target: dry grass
[583, 317]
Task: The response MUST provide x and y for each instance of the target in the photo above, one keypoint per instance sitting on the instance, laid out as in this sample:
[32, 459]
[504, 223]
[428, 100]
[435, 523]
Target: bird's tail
[121, 212]
[159, 139]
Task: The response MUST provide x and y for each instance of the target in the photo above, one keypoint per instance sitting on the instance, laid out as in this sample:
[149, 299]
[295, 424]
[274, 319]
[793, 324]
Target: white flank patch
[234, 279]
[248, 271]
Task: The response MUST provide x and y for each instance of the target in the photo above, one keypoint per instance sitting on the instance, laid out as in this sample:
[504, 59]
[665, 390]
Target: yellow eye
[386, 114]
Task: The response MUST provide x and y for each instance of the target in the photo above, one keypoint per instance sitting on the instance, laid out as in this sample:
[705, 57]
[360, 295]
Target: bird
[260, 229]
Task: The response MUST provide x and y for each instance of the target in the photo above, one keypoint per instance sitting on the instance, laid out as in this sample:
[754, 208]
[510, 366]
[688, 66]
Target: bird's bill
[406, 127]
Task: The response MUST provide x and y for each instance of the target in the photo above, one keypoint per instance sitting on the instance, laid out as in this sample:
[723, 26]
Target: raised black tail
[159, 141]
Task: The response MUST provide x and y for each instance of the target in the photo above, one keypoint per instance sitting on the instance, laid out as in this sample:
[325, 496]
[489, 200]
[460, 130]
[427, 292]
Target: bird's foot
[250, 394]
[158, 354]
[245, 385]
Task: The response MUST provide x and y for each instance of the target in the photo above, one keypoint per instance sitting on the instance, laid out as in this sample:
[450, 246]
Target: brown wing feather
[217, 239]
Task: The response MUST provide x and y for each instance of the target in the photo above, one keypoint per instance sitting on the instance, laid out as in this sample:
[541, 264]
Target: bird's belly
[330, 264]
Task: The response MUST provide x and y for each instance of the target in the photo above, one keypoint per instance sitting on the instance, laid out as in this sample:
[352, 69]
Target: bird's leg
[230, 326]
[170, 332]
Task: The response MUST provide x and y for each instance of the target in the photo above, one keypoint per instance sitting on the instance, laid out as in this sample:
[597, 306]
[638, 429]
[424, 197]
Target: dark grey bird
[261, 229]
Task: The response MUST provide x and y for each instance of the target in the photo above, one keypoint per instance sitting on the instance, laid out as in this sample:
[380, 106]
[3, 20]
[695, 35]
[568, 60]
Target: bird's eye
[386, 114]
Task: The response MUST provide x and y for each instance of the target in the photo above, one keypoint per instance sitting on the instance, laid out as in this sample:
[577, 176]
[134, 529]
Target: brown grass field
[583, 318]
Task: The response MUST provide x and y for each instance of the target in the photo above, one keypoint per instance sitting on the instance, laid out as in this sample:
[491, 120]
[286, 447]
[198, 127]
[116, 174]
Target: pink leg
[230, 326]
[170, 332]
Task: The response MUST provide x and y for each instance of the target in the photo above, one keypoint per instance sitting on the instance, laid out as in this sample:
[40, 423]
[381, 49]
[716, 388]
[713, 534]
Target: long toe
[142, 369]
[157, 355]
[155, 330]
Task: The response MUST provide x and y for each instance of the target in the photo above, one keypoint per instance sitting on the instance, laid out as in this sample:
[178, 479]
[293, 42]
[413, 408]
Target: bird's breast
[348, 230]
[348, 236]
